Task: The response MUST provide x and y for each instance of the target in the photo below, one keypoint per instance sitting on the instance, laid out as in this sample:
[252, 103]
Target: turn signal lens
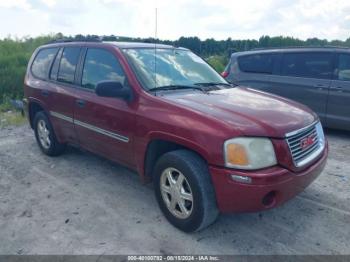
[237, 155]
[249, 153]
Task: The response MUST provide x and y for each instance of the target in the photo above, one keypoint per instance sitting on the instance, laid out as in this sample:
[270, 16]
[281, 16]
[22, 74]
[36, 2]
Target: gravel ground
[82, 204]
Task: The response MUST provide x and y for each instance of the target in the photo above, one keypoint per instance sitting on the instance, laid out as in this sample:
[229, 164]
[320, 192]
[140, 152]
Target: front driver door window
[100, 65]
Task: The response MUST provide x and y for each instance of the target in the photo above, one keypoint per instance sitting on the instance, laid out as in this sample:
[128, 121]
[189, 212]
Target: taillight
[224, 74]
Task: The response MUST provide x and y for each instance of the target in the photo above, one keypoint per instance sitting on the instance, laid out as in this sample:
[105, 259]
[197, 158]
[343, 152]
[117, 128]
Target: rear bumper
[269, 188]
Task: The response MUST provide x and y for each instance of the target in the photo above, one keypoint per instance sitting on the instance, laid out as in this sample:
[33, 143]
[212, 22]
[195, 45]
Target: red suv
[162, 111]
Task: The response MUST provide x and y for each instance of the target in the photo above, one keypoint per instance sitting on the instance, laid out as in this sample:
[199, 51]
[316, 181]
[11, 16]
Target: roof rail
[73, 39]
[296, 47]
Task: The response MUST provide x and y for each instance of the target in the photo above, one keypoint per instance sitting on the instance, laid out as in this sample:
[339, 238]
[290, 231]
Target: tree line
[15, 53]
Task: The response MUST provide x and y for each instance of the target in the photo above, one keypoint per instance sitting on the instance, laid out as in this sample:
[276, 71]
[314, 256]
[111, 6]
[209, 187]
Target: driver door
[103, 125]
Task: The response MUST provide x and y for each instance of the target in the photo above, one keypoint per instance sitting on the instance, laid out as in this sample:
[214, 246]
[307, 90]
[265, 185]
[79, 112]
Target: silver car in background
[316, 77]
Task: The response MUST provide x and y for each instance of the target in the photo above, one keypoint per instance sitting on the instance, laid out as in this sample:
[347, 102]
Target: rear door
[338, 110]
[39, 71]
[305, 77]
[62, 92]
[104, 125]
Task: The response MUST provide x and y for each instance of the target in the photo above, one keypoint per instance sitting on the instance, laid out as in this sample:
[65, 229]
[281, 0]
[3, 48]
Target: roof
[114, 43]
[139, 45]
[292, 49]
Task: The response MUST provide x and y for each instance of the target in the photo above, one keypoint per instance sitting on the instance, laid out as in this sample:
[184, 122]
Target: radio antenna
[155, 47]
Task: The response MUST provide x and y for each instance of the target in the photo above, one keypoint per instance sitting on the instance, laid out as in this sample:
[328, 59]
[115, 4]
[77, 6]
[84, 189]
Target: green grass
[5, 105]
[10, 116]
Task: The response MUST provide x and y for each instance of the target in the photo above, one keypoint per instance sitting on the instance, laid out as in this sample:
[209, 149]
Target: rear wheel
[184, 190]
[45, 135]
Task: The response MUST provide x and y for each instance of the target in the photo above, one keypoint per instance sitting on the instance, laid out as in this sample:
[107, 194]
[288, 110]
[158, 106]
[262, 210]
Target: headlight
[249, 153]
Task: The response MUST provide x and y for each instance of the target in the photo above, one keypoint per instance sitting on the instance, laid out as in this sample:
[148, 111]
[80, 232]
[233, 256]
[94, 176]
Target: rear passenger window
[42, 62]
[68, 64]
[100, 65]
[56, 63]
[344, 67]
[310, 65]
[259, 63]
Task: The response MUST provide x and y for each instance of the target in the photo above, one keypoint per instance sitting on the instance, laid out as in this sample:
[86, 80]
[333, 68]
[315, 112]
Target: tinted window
[100, 65]
[311, 65]
[68, 64]
[42, 62]
[260, 63]
[344, 67]
[56, 63]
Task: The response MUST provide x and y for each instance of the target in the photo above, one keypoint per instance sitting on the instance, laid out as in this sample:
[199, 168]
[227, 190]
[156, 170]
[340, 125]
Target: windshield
[171, 67]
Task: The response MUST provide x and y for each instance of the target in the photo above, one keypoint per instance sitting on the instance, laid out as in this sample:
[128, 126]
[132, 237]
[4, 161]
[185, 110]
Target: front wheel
[184, 190]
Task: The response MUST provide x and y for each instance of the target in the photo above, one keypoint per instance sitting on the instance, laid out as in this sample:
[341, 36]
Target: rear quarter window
[257, 63]
[42, 62]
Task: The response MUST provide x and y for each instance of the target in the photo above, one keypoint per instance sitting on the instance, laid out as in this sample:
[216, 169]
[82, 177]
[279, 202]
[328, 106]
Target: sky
[219, 19]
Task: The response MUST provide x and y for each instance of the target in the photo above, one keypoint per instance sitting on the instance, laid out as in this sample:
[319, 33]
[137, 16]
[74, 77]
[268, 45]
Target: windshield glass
[170, 67]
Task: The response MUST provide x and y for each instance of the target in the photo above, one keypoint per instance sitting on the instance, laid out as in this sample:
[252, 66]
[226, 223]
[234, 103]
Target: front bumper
[269, 188]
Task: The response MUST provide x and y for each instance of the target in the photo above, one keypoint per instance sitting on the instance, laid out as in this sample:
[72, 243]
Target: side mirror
[113, 89]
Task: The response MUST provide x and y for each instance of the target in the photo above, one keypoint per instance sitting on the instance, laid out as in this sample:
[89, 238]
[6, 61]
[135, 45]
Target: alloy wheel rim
[44, 134]
[176, 193]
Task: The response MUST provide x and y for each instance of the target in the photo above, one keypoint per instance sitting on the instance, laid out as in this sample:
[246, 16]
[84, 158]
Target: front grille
[306, 144]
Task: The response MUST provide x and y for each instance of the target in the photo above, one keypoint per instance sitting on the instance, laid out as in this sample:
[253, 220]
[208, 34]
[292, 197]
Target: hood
[248, 111]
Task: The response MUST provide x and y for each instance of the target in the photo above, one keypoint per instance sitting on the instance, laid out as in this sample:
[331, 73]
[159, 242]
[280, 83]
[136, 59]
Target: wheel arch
[33, 108]
[158, 146]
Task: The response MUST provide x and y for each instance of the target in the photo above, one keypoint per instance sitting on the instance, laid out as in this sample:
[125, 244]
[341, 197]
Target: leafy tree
[15, 53]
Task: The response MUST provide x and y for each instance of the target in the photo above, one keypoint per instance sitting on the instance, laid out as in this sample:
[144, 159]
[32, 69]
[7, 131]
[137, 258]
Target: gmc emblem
[306, 142]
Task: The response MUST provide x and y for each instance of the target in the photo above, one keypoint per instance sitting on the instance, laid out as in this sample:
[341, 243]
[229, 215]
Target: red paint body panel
[197, 121]
[115, 116]
[232, 196]
[251, 112]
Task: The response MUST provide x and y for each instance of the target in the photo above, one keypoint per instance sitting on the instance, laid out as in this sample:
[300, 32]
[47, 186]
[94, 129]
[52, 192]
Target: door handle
[337, 88]
[320, 86]
[80, 102]
[45, 92]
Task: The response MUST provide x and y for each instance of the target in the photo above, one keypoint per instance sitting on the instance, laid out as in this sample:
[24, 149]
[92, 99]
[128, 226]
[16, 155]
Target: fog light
[269, 199]
[242, 179]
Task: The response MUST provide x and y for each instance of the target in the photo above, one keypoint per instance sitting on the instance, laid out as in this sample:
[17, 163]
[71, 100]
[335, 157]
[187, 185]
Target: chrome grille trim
[304, 156]
[300, 130]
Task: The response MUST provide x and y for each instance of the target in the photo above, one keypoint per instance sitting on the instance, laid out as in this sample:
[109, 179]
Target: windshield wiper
[176, 87]
[213, 84]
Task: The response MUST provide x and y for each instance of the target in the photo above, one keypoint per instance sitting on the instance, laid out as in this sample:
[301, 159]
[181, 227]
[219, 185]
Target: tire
[202, 211]
[46, 140]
